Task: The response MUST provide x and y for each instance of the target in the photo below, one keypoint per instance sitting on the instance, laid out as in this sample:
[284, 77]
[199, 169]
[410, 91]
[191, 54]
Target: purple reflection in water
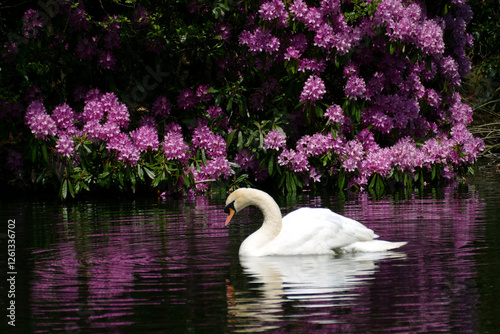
[100, 273]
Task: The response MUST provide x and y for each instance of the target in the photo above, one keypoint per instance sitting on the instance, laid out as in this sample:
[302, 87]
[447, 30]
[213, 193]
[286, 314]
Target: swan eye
[229, 206]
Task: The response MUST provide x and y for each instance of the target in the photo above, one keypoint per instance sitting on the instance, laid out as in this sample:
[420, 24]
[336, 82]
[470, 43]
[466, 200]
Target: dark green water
[172, 267]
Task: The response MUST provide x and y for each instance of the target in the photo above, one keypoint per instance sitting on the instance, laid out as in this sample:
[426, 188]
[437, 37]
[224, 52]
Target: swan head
[243, 197]
[236, 201]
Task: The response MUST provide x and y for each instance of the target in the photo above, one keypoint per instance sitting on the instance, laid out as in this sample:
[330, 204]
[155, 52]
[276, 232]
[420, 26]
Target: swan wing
[316, 231]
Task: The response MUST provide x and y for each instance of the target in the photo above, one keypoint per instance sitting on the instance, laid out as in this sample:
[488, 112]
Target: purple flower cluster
[213, 144]
[397, 65]
[127, 152]
[187, 99]
[274, 9]
[65, 146]
[174, 146]
[161, 107]
[355, 87]
[102, 119]
[39, 122]
[275, 140]
[309, 147]
[313, 90]
[260, 41]
[145, 137]
[32, 23]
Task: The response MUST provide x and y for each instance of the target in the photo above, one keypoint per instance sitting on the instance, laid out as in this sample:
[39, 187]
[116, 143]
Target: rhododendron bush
[337, 94]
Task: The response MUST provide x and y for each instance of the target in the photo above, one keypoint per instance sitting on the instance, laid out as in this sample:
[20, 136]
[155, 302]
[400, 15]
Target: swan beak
[229, 216]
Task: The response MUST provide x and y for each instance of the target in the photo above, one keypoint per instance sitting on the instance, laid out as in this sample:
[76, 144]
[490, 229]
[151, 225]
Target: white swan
[305, 231]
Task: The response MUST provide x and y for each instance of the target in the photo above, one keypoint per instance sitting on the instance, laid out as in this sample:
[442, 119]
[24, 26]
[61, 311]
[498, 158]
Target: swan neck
[272, 215]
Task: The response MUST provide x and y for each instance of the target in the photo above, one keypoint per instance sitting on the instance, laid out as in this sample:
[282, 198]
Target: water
[172, 267]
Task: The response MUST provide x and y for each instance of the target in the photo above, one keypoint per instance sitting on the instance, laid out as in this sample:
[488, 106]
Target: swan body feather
[306, 231]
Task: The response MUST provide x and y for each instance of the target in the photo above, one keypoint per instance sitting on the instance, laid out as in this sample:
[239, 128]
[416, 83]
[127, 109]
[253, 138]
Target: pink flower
[93, 129]
[213, 144]
[186, 99]
[260, 41]
[299, 9]
[64, 117]
[313, 90]
[353, 155]
[275, 140]
[292, 53]
[174, 146]
[39, 122]
[145, 138]
[65, 146]
[32, 22]
[274, 9]
[460, 112]
[449, 68]
[314, 175]
[335, 114]
[355, 87]
[315, 65]
[315, 145]
[406, 154]
[246, 161]
[378, 161]
[217, 167]
[203, 95]
[93, 110]
[430, 38]
[117, 111]
[161, 106]
[295, 161]
[126, 151]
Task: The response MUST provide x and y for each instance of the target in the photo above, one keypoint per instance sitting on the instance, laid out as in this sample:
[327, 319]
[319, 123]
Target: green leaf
[230, 138]
[203, 157]
[71, 189]
[156, 181]
[341, 180]
[140, 173]
[270, 165]
[240, 141]
[290, 183]
[45, 154]
[392, 48]
[104, 175]
[380, 186]
[132, 178]
[242, 178]
[373, 181]
[150, 173]
[319, 111]
[64, 189]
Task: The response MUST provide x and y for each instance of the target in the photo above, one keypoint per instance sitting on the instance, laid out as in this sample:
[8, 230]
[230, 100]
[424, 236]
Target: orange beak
[229, 216]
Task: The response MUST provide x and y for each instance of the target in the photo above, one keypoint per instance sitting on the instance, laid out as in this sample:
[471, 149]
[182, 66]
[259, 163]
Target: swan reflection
[315, 284]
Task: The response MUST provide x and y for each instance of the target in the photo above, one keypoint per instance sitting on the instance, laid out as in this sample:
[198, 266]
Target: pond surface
[172, 267]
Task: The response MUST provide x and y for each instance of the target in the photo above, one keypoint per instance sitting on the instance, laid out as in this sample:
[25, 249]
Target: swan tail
[371, 246]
